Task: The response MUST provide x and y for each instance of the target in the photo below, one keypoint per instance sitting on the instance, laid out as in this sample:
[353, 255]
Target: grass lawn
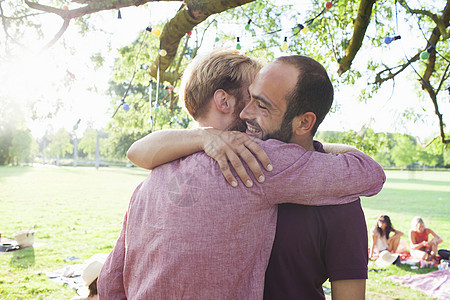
[78, 212]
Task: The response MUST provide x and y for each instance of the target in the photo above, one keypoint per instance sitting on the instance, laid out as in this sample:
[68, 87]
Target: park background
[77, 96]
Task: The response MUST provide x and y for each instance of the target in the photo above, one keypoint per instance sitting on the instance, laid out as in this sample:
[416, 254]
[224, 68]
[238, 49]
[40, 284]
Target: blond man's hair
[223, 69]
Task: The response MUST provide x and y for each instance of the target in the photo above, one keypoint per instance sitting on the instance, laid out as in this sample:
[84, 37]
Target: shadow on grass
[13, 171]
[404, 267]
[23, 258]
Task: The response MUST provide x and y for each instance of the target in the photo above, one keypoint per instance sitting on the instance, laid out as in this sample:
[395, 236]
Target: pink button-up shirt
[188, 234]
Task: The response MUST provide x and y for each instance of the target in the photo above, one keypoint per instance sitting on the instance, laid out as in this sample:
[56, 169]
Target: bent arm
[372, 247]
[164, 146]
[412, 240]
[434, 234]
[314, 178]
[338, 148]
[397, 233]
[226, 147]
[351, 289]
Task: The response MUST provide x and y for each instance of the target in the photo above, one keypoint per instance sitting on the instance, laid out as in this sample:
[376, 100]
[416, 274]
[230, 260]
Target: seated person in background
[380, 236]
[421, 248]
[90, 276]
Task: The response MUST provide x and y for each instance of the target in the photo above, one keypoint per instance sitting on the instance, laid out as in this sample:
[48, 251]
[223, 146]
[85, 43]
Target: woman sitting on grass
[421, 248]
[380, 237]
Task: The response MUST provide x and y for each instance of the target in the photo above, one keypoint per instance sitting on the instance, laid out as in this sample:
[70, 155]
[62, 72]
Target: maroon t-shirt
[313, 244]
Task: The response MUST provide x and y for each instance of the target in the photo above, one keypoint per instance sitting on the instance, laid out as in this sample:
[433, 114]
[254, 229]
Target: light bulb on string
[302, 28]
[247, 27]
[238, 45]
[155, 31]
[162, 52]
[390, 39]
[426, 54]
[75, 127]
[328, 5]
[216, 39]
[284, 46]
[119, 15]
[189, 33]
[125, 105]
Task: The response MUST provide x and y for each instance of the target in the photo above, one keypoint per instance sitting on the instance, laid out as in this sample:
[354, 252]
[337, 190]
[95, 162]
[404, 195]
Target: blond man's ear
[223, 101]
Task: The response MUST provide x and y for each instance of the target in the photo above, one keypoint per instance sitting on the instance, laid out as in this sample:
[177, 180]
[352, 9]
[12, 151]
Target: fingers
[223, 164]
[260, 155]
[251, 143]
[239, 168]
[229, 148]
[252, 163]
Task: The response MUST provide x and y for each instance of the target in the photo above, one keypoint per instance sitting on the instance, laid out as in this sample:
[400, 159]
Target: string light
[426, 54]
[328, 5]
[301, 28]
[238, 45]
[155, 31]
[189, 33]
[390, 39]
[162, 52]
[75, 127]
[119, 15]
[285, 46]
[217, 39]
[125, 106]
[247, 27]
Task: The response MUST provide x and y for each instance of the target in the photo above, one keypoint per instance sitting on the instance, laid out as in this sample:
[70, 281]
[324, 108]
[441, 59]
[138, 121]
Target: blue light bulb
[388, 40]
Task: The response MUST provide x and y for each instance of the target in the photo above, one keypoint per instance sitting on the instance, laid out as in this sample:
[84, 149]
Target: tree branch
[58, 35]
[441, 22]
[379, 80]
[192, 14]
[426, 84]
[359, 31]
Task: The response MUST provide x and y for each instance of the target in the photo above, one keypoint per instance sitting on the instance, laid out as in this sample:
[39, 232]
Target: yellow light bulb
[156, 32]
[305, 30]
[162, 52]
[285, 46]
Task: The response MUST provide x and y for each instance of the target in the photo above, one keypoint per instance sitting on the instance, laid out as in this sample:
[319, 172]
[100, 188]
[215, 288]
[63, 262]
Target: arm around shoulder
[164, 146]
[314, 178]
[337, 148]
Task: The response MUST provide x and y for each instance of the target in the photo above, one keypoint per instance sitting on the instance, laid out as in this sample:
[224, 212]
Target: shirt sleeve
[110, 280]
[314, 178]
[374, 231]
[110, 283]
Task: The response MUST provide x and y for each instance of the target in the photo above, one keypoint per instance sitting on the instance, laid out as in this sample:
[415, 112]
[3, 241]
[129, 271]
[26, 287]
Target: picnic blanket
[434, 284]
[71, 275]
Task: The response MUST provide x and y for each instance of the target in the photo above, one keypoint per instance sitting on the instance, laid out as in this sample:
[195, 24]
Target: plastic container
[25, 238]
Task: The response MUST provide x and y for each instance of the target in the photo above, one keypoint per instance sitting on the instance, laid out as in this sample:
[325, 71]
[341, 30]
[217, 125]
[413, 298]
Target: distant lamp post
[75, 143]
